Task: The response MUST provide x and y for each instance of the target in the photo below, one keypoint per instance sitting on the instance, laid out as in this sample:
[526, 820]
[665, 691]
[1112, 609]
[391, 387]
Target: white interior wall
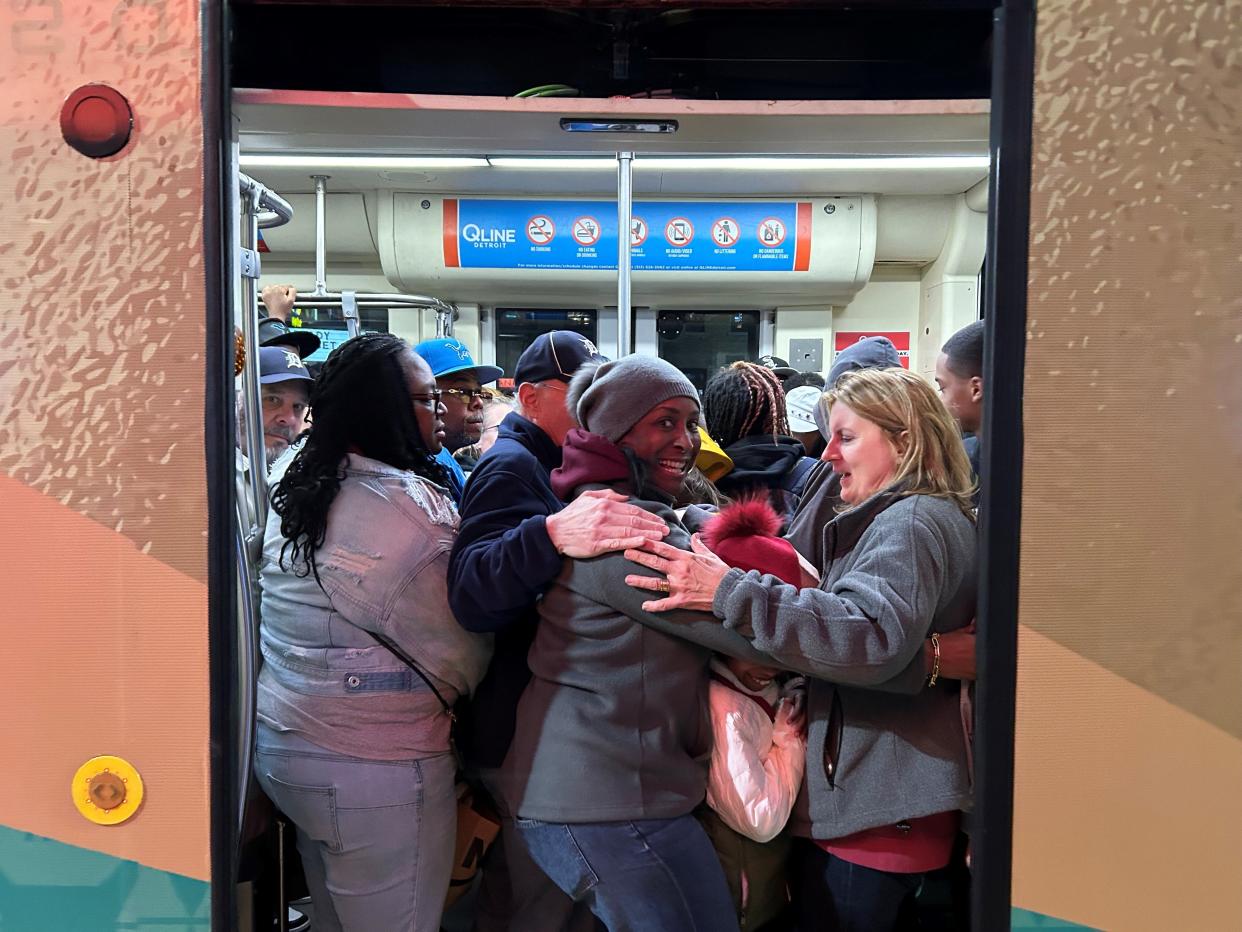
[803, 323]
[949, 298]
[890, 301]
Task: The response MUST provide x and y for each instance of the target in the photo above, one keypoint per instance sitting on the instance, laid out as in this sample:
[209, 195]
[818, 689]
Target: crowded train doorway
[883, 169]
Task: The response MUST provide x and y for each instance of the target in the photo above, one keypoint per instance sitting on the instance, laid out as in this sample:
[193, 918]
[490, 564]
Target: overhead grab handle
[272, 209]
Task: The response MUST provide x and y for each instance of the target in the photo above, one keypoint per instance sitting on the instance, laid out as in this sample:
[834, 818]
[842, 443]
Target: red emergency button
[96, 120]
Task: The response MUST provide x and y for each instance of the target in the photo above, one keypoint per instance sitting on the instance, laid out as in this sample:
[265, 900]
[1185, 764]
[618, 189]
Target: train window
[330, 327]
[517, 327]
[700, 342]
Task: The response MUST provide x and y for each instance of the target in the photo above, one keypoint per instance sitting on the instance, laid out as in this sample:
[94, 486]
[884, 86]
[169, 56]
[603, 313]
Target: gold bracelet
[935, 673]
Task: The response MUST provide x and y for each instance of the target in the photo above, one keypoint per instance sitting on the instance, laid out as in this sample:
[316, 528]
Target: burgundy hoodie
[589, 458]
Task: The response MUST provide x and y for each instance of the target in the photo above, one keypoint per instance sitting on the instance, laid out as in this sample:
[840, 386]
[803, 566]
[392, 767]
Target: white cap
[800, 404]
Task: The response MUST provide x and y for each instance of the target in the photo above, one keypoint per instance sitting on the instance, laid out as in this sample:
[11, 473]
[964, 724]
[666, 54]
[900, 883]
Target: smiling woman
[608, 755]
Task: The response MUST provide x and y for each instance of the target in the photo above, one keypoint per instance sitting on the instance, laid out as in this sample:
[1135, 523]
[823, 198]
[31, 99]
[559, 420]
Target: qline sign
[684, 236]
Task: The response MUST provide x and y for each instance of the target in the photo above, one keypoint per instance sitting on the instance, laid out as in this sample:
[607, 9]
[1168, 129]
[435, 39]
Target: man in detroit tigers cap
[555, 355]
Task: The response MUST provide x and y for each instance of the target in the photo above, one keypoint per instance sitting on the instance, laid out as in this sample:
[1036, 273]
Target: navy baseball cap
[555, 355]
[782, 369]
[278, 364]
[275, 332]
[447, 356]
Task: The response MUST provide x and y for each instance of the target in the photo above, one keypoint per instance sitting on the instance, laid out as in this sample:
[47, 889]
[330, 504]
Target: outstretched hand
[279, 301]
[602, 521]
[692, 577]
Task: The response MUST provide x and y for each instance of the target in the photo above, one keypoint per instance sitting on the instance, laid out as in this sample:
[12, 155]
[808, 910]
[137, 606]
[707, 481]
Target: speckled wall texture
[103, 505]
[1132, 505]
[101, 278]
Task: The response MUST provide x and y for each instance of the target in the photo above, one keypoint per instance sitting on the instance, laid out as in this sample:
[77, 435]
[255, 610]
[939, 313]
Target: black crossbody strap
[409, 662]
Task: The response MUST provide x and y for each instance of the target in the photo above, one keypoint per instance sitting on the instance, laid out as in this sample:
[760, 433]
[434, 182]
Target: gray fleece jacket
[894, 569]
[614, 724]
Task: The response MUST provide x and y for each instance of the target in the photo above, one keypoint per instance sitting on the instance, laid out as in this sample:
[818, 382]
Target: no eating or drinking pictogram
[586, 231]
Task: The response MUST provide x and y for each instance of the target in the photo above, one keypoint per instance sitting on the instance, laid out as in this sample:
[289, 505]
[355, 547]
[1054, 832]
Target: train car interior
[793, 178]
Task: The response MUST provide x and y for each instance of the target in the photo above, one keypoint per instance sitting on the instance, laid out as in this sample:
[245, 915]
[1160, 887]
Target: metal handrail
[251, 200]
[377, 299]
[248, 663]
[273, 210]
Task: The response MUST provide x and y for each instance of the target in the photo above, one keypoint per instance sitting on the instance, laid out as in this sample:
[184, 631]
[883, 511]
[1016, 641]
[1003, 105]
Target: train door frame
[219, 233]
[1005, 317]
[1010, 146]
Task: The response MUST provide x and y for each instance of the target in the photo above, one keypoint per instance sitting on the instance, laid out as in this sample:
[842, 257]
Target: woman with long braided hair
[744, 407]
[362, 655]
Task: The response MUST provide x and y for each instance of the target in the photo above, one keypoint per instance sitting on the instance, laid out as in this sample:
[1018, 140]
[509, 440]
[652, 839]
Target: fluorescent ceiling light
[607, 163]
[793, 163]
[377, 162]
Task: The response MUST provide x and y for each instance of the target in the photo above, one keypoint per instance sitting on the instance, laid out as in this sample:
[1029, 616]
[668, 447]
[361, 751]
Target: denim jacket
[383, 566]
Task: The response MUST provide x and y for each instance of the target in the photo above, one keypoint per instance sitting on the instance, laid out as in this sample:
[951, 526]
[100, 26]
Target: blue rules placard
[665, 236]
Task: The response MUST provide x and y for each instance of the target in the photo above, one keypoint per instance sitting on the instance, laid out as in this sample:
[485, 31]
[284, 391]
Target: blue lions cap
[555, 355]
[448, 356]
[278, 364]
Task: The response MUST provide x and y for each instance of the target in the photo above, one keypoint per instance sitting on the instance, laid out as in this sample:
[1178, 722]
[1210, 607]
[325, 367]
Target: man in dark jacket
[959, 374]
[514, 532]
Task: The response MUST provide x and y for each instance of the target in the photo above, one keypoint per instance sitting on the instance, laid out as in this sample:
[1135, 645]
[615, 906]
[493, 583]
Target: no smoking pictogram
[725, 232]
[638, 231]
[679, 231]
[540, 230]
[586, 231]
[771, 232]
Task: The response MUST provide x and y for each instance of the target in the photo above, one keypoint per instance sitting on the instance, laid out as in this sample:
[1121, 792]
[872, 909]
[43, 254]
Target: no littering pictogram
[586, 231]
[725, 232]
[679, 232]
[540, 230]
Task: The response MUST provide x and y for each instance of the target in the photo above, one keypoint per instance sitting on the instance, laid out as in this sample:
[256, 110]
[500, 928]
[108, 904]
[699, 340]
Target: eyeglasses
[431, 398]
[467, 395]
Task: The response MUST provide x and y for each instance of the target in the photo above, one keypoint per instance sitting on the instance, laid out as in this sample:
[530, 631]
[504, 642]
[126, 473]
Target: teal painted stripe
[1022, 919]
[49, 886]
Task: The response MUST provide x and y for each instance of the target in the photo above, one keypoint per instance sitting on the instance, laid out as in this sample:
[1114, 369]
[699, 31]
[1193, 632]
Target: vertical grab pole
[321, 247]
[251, 399]
[625, 212]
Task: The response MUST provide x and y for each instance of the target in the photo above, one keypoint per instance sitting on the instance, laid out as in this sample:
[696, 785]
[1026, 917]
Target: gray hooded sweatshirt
[894, 569]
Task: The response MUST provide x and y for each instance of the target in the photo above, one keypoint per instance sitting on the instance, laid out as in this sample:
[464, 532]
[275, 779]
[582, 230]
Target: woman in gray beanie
[610, 755]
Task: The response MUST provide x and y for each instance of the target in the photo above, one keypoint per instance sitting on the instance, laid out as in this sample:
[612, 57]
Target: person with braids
[744, 406]
[362, 655]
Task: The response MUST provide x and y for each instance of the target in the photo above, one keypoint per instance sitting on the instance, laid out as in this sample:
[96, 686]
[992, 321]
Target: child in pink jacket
[759, 746]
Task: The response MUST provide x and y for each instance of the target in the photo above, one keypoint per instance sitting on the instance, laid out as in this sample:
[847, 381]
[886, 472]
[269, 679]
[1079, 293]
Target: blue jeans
[514, 894]
[834, 895]
[654, 875]
[376, 837]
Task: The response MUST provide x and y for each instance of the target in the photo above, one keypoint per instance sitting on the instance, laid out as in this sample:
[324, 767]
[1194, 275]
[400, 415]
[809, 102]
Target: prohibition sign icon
[638, 231]
[725, 232]
[679, 231]
[586, 231]
[540, 230]
[772, 232]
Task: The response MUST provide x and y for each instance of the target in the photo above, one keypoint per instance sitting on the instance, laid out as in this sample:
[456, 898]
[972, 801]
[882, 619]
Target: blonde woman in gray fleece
[886, 773]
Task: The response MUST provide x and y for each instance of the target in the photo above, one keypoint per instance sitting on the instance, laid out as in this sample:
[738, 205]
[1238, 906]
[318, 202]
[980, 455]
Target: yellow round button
[107, 790]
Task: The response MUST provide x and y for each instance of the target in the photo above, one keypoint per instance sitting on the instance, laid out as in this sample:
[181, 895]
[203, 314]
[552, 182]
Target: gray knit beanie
[612, 397]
